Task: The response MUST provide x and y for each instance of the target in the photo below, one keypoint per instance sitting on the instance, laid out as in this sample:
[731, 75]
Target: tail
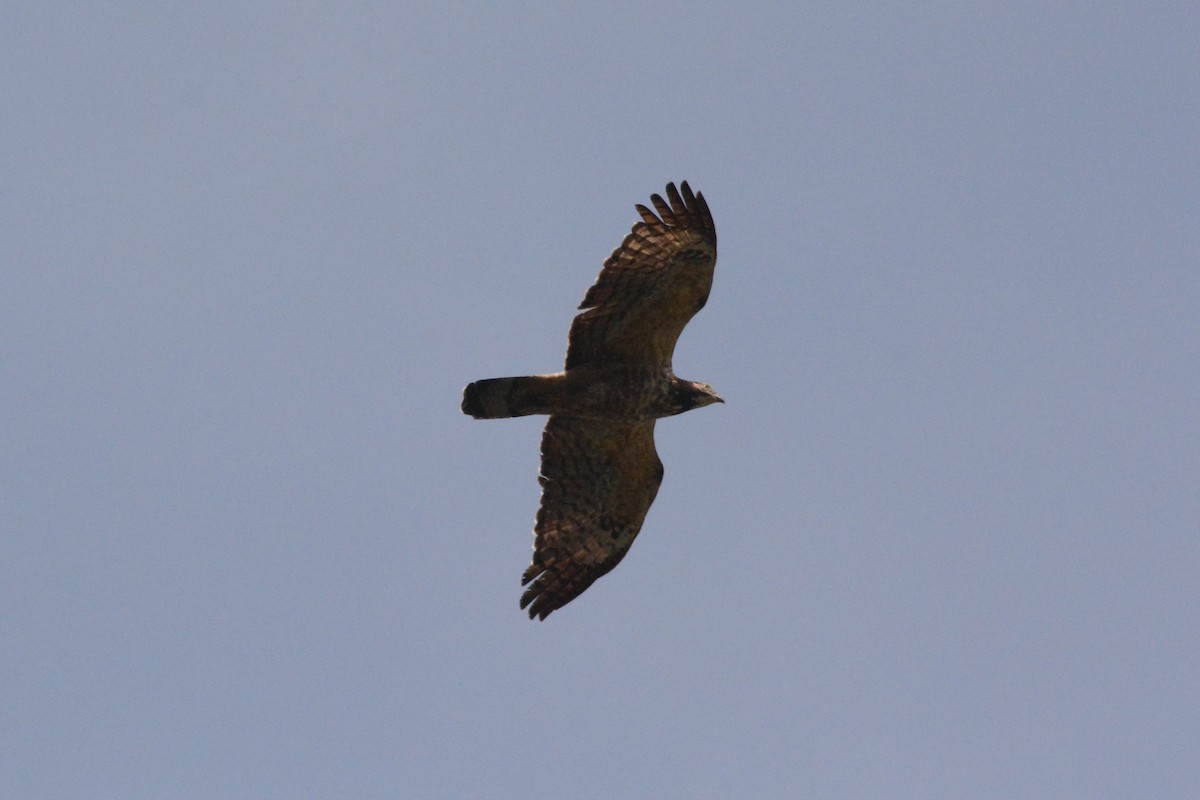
[512, 397]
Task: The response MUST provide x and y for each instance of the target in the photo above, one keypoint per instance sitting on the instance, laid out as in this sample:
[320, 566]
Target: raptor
[600, 471]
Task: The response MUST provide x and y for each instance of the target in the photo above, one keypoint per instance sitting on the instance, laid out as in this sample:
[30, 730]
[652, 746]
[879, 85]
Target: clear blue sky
[943, 541]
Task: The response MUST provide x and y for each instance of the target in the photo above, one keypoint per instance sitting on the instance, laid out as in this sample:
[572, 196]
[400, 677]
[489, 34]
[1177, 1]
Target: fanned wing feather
[598, 479]
[650, 286]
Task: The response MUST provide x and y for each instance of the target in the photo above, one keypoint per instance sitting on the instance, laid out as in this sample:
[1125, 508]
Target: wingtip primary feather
[664, 211]
[683, 207]
[676, 201]
[646, 214]
[535, 600]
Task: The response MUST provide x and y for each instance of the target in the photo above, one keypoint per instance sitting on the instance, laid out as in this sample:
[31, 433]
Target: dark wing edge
[599, 478]
[688, 211]
[651, 286]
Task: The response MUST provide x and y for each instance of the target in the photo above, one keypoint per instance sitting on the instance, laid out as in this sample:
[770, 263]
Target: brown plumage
[600, 471]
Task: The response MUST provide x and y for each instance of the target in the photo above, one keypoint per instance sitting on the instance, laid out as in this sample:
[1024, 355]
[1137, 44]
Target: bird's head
[692, 394]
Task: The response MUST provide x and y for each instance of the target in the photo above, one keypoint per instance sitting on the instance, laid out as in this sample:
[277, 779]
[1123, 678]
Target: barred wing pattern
[600, 471]
[598, 479]
[650, 286]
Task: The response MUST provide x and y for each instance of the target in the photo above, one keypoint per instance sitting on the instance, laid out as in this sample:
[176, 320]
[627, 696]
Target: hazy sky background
[942, 541]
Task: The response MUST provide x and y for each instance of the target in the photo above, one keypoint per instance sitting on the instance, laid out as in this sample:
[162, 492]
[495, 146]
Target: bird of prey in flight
[600, 471]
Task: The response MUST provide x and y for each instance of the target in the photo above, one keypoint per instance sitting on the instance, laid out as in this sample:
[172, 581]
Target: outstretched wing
[598, 479]
[650, 286]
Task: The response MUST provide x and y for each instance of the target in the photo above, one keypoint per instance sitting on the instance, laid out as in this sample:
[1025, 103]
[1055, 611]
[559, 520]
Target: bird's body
[600, 471]
[617, 393]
